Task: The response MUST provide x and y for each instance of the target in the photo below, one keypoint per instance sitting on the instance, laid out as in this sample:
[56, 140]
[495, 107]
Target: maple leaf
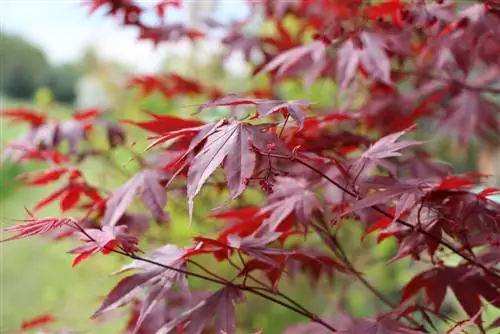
[305, 261]
[367, 51]
[162, 312]
[105, 241]
[245, 230]
[36, 226]
[89, 114]
[171, 85]
[385, 8]
[384, 148]
[171, 32]
[470, 113]
[115, 134]
[221, 305]
[291, 195]
[382, 326]
[468, 288]
[161, 124]
[73, 131]
[406, 193]
[38, 321]
[71, 193]
[37, 179]
[135, 223]
[230, 145]
[264, 107]
[159, 279]
[148, 185]
[112, 5]
[186, 138]
[250, 234]
[161, 7]
[388, 147]
[34, 118]
[311, 57]
[38, 154]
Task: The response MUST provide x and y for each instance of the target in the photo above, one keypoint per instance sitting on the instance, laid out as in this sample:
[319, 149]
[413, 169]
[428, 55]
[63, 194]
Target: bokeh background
[56, 58]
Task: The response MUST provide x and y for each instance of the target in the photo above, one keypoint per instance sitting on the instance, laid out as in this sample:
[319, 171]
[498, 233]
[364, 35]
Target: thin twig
[341, 254]
[220, 281]
[387, 214]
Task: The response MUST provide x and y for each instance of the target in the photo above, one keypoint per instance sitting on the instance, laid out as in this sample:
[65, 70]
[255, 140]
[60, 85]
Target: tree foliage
[295, 174]
[24, 67]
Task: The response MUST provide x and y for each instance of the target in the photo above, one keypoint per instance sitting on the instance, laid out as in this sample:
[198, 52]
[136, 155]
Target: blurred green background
[36, 276]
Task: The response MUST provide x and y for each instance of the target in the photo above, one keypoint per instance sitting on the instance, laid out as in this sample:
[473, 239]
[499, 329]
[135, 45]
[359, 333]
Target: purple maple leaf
[158, 279]
[291, 195]
[367, 50]
[470, 113]
[311, 57]
[407, 193]
[221, 305]
[147, 184]
[231, 146]
[294, 108]
[386, 147]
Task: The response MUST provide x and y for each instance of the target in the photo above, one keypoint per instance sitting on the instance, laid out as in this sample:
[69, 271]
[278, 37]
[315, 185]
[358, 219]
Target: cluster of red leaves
[43, 140]
[172, 86]
[131, 14]
[433, 63]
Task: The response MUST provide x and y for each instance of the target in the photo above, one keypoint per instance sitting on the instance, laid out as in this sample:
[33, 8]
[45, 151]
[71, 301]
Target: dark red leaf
[229, 144]
[147, 184]
[295, 109]
[46, 177]
[159, 279]
[38, 321]
[366, 50]
[163, 123]
[104, 241]
[220, 305]
[35, 119]
[37, 226]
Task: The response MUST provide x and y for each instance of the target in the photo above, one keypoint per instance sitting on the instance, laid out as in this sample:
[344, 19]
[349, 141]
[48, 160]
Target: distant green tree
[62, 82]
[24, 67]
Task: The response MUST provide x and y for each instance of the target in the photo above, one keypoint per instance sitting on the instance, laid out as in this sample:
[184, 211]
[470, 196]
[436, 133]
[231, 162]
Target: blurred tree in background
[62, 81]
[24, 67]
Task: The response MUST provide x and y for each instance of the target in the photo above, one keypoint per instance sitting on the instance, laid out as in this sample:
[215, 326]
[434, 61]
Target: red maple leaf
[367, 51]
[105, 241]
[34, 118]
[37, 226]
[38, 321]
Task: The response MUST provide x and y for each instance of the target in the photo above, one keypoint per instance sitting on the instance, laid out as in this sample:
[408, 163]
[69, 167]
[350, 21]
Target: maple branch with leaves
[295, 167]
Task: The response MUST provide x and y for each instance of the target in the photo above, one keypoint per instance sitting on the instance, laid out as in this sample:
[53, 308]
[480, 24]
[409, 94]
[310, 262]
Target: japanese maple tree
[294, 174]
